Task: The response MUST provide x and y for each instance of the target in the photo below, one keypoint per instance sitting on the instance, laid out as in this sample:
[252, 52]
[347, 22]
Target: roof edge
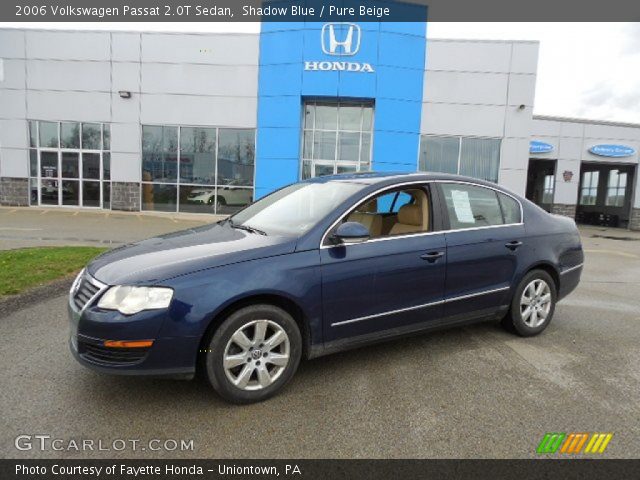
[552, 118]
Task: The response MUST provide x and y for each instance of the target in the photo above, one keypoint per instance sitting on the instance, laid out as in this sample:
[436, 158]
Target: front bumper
[91, 326]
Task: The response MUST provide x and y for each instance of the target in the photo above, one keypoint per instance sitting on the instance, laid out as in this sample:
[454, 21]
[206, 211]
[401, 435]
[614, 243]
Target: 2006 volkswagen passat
[320, 266]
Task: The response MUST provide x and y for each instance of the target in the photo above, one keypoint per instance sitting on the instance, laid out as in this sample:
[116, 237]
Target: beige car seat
[413, 217]
[367, 215]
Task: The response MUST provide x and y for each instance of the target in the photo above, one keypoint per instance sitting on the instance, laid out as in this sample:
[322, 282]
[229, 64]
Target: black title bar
[317, 10]
[323, 469]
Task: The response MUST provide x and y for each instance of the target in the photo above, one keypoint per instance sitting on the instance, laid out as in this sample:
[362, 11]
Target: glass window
[348, 146]
[48, 134]
[349, 118]
[49, 191]
[473, 157]
[480, 158]
[548, 188]
[295, 209]
[159, 154]
[106, 136]
[49, 164]
[66, 165]
[33, 191]
[91, 136]
[159, 197]
[326, 117]
[33, 163]
[589, 188]
[33, 133]
[197, 155]
[91, 166]
[399, 212]
[236, 153]
[439, 154]
[70, 192]
[324, 145]
[336, 138]
[216, 168]
[91, 194]
[106, 166]
[69, 135]
[470, 206]
[616, 188]
[510, 209]
[70, 165]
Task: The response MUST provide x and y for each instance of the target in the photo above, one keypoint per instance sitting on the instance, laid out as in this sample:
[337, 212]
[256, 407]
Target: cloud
[609, 94]
[632, 44]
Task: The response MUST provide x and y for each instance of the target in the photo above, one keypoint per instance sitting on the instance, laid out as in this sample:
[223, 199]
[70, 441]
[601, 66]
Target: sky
[585, 70]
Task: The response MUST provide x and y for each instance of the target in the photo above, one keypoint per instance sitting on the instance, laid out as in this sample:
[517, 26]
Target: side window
[402, 199]
[510, 209]
[469, 206]
[399, 212]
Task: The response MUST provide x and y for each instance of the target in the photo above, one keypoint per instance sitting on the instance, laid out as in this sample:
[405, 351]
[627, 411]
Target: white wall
[572, 140]
[475, 88]
[188, 79]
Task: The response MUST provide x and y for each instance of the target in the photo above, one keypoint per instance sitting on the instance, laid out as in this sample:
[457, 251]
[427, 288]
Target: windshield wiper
[246, 228]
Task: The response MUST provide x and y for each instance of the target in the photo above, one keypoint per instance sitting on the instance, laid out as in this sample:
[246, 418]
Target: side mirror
[352, 232]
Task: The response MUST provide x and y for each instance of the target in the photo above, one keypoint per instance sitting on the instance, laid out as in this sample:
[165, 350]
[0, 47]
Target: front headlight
[130, 300]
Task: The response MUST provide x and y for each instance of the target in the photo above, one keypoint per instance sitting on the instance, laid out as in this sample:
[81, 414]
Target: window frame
[60, 151]
[335, 163]
[177, 184]
[620, 191]
[435, 215]
[460, 139]
[589, 187]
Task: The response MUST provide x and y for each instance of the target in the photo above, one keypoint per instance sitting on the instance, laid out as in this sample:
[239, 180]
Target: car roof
[389, 178]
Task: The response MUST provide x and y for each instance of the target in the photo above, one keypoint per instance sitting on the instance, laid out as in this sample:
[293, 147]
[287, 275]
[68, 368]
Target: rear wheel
[533, 304]
[253, 354]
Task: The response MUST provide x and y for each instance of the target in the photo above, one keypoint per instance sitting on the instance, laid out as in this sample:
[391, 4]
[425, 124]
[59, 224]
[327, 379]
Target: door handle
[431, 256]
[513, 245]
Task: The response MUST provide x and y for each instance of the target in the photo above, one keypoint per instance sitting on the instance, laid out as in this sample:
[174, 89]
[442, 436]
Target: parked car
[319, 266]
[230, 194]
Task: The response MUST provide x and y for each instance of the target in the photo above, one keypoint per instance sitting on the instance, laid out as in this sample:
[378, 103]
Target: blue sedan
[320, 266]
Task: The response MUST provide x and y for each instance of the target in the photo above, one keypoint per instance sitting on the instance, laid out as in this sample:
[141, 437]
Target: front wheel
[533, 304]
[253, 354]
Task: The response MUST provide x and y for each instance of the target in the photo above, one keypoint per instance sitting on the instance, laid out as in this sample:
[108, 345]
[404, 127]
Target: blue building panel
[383, 63]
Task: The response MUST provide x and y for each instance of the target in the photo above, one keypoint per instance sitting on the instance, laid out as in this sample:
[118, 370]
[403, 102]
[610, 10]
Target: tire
[528, 323]
[254, 369]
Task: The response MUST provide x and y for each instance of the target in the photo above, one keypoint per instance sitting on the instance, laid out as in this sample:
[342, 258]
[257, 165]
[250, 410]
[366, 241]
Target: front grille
[85, 291]
[111, 356]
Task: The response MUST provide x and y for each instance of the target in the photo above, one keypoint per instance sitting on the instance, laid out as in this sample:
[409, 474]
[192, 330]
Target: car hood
[160, 258]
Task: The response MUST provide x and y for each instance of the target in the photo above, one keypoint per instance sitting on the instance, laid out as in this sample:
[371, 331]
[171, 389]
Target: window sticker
[462, 206]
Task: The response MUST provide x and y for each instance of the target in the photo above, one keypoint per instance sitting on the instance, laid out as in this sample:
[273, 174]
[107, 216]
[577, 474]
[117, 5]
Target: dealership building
[206, 123]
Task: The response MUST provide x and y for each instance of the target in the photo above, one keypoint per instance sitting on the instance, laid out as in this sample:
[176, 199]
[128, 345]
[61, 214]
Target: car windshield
[293, 210]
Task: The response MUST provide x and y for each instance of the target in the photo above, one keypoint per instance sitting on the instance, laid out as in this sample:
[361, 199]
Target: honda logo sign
[340, 38]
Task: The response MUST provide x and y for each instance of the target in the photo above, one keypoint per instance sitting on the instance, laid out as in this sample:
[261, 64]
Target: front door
[486, 238]
[394, 280]
[70, 178]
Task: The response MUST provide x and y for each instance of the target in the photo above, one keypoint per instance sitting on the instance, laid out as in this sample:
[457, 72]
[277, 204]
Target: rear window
[510, 209]
[470, 206]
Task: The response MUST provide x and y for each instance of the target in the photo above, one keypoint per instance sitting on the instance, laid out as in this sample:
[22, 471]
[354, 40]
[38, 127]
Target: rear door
[485, 240]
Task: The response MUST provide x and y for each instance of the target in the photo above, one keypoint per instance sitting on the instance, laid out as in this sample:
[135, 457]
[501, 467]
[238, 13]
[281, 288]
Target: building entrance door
[604, 195]
[541, 178]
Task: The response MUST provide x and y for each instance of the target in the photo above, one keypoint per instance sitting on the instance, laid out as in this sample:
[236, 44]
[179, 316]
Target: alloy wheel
[535, 303]
[256, 355]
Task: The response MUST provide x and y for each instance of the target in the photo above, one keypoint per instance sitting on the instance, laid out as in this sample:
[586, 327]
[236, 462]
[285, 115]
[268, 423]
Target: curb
[35, 295]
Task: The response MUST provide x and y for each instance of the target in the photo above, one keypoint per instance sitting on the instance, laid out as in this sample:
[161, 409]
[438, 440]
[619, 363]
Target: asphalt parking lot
[468, 392]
